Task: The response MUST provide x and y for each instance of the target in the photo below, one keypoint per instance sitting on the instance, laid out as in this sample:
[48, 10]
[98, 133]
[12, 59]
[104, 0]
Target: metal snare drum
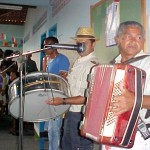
[38, 87]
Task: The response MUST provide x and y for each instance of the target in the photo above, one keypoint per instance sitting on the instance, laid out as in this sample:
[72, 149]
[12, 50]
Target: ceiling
[18, 17]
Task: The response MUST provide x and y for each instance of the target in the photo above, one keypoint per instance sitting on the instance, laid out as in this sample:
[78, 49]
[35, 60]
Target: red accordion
[99, 123]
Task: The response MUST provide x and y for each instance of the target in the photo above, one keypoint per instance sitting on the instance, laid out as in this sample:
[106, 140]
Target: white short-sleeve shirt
[77, 78]
[139, 143]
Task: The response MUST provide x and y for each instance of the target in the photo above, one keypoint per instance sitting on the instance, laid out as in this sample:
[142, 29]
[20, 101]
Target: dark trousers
[72, 140]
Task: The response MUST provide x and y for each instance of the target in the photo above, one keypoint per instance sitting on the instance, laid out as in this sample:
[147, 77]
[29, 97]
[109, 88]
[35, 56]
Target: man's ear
[117, 40]
[94, 44]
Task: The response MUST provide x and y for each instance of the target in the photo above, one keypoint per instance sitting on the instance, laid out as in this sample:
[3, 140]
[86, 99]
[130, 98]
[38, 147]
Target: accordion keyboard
[116, 91]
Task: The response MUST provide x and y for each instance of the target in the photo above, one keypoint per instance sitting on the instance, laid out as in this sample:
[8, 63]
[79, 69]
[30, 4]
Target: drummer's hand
[55, 101]
[63, 73]
[123, 102]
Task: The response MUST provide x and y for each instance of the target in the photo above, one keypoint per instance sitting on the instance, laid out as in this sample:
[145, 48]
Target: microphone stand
[21, 102]
[21, 110]
[78, 47]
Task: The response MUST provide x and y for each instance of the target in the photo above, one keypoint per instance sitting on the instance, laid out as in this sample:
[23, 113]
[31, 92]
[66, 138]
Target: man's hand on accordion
[123, 102]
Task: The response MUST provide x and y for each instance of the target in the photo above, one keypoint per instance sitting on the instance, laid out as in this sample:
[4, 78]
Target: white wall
[148, 25]
[76, 13]
[147, 7]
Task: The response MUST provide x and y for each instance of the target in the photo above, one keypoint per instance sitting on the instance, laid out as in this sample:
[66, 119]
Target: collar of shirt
[82, 59]
[118, 59]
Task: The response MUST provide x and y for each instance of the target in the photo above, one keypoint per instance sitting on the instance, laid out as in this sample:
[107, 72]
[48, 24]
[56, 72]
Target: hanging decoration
[6, 41]
[112, 23]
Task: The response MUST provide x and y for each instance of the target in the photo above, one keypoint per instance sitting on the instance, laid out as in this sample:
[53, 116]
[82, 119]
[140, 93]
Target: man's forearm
[146, 102]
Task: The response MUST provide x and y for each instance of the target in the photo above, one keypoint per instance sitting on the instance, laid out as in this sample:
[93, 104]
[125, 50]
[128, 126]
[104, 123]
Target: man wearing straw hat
[77, 80]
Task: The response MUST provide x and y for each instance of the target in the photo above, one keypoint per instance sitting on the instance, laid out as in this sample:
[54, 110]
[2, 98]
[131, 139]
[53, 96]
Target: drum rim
[39, 72]
[35, 74]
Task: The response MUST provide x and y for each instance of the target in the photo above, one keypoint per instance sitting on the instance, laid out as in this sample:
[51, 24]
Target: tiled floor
[11, 142]
[30, 141]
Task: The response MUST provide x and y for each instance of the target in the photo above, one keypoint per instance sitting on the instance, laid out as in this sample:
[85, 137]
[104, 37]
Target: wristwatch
[64, 101]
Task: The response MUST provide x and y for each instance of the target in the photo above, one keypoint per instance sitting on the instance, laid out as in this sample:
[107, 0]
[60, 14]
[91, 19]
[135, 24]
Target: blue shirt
[60, 62]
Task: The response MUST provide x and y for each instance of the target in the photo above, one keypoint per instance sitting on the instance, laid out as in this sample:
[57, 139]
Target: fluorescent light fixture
[12, 7]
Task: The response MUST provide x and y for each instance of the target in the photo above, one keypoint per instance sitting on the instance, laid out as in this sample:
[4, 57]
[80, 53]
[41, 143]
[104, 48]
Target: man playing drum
[54, 63]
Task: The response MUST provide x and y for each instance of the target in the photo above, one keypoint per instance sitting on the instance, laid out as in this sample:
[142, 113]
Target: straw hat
[85, 33]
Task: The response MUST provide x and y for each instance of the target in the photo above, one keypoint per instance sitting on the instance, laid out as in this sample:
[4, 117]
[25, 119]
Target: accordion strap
[136, 109]
[146, 134]
[134, 59]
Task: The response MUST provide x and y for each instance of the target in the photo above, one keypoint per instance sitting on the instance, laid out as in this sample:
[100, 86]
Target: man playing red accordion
[130, 39]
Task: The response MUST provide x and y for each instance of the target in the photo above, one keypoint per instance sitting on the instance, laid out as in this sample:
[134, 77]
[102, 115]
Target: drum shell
[38, 87]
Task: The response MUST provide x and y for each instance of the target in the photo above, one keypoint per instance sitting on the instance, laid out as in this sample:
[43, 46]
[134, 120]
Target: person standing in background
[1, 55]
[54, 63]
[14, 130]
[30, 65]
[1, 83]
[4, 88]
[9, 63]
[10, 66]
[77, 79]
